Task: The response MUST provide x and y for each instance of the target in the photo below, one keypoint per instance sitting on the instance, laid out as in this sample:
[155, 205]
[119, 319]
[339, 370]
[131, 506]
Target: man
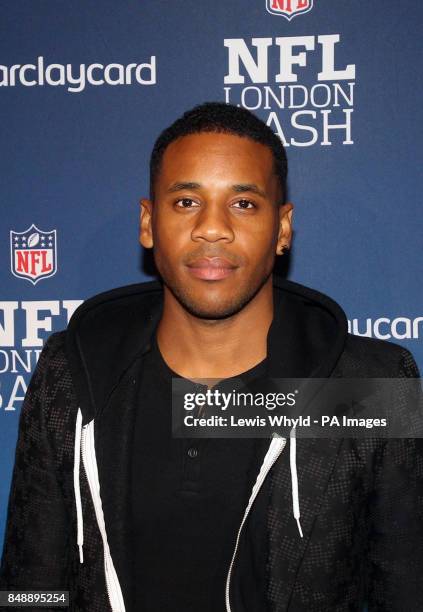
[106, 504]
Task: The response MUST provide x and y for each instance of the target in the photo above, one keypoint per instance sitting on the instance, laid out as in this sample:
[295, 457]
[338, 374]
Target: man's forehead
[246, 160]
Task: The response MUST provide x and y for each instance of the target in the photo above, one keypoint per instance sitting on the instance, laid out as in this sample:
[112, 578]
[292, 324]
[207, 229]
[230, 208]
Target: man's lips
[211, 268]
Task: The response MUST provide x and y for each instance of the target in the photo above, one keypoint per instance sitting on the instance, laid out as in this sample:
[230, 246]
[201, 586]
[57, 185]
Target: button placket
[193, 453]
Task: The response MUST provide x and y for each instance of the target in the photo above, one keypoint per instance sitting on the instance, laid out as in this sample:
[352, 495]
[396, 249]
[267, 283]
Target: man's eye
[185, 203]
[245, 204]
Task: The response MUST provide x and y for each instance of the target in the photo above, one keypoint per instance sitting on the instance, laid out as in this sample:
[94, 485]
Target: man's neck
[202, 348]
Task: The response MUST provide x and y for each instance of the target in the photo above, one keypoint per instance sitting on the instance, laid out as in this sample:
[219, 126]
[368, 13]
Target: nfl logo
[289, 8]
[33, 254]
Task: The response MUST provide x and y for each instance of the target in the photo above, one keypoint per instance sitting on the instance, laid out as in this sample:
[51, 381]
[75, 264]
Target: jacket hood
[110, 330]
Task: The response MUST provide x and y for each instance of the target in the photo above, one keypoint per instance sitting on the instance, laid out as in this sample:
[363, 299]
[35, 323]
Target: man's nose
[213, 223]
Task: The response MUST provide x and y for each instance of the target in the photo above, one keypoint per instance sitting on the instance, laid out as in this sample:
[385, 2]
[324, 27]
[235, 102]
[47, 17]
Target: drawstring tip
[299, 527]
[81, 554]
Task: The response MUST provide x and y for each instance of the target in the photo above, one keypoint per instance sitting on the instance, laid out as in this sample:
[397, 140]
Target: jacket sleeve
[35, 555]
[396, 520]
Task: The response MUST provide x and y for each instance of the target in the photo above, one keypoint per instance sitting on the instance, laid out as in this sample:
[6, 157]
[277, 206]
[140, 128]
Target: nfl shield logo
[33, 254]
[289, 8]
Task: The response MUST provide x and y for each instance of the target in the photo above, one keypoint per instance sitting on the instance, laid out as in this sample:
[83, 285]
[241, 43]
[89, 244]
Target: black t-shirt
[189, 497]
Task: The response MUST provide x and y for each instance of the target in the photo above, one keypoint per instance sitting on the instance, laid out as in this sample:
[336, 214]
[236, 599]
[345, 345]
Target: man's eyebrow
[238, 188]
[185, 185]
[242, 187]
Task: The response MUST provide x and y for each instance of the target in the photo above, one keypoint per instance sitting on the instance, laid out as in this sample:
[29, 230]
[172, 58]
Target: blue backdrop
[85, 88]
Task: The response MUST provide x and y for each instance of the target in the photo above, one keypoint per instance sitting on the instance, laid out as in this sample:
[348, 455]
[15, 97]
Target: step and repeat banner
[86, 87]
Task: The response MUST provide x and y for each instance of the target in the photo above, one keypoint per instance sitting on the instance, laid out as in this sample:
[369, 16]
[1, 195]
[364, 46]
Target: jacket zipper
[114, 591]
[275, 449]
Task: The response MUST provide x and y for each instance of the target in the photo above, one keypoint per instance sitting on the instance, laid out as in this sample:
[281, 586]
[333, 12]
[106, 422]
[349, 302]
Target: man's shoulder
[50, 397]
[53, 357]
[370, 357]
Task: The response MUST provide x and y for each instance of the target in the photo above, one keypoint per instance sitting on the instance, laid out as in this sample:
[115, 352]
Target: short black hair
[219, 117]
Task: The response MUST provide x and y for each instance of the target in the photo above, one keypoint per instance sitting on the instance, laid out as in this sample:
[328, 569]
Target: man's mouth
[211, 268]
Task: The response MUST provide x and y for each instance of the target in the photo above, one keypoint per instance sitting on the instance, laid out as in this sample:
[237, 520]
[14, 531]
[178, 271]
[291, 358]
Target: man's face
[215, 223]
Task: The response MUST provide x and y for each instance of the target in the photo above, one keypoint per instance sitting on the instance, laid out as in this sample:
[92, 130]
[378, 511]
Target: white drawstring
[77, 489]
[76, 486]
[294, 478]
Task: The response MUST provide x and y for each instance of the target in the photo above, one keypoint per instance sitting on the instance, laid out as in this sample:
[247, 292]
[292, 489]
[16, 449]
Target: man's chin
[211, 313]
[213, 305]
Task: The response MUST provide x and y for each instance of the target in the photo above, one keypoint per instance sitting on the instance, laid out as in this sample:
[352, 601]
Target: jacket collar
[308, 332]
[104, 337]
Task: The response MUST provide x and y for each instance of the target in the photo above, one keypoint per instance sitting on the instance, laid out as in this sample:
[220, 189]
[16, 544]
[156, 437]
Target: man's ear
[146, 234]
[285, 228]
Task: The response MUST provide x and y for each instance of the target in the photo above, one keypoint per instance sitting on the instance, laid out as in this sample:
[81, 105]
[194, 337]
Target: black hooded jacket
[69, 522]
